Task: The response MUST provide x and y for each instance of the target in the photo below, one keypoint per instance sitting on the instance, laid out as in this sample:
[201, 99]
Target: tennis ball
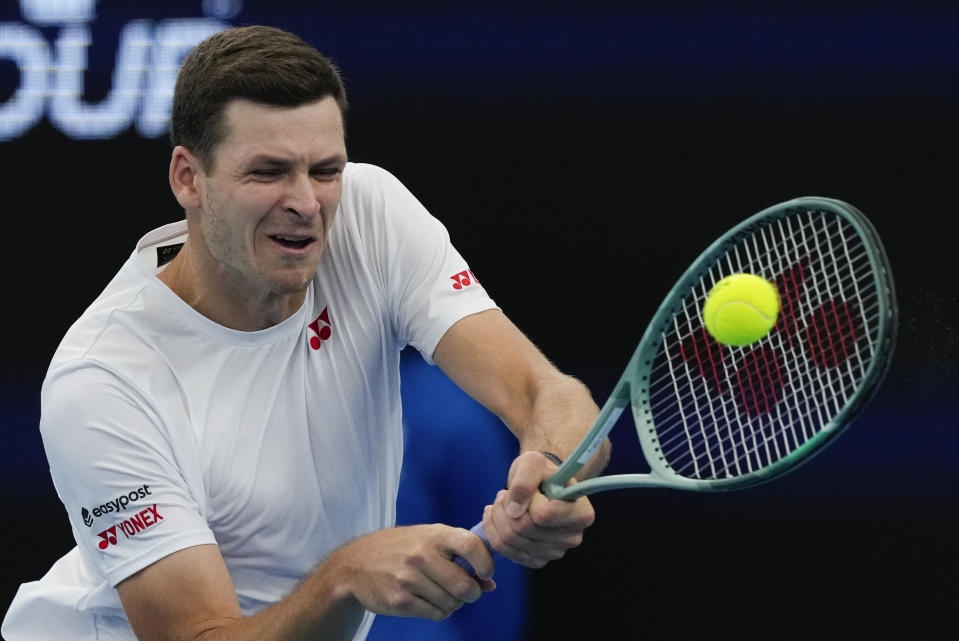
[740, 309]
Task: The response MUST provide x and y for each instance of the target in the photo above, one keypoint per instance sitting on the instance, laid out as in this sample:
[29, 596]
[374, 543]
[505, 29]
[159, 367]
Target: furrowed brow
[272, 161]
[336, 160]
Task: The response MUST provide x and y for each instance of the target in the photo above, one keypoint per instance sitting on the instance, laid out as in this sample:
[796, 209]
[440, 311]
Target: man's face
[267, 206]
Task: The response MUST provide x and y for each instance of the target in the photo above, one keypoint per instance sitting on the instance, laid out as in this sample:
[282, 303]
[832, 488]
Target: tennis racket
[713, 417]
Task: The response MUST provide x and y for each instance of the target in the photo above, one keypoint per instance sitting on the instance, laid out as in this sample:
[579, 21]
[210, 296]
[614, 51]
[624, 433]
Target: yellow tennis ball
[740, 309]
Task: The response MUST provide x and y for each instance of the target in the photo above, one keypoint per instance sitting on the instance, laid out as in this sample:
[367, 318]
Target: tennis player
[223, 423]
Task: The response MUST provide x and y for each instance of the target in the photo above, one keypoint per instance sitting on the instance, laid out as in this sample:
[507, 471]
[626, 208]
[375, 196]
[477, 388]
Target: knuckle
[464, 539]
[415, 560]
[511, 539]
[405, 583]
[589, 516]
[541, 518]
[400, 601]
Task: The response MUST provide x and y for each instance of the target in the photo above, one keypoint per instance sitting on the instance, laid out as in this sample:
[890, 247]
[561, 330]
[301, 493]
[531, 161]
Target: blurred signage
[52, 69]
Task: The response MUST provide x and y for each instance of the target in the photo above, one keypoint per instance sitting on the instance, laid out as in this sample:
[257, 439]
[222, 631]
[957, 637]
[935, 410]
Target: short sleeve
[117, 472]
[429, 285]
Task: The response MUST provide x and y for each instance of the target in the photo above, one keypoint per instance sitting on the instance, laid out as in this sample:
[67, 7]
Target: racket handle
[478, 531]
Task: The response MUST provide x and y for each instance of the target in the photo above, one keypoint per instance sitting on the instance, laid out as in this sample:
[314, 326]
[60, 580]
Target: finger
[439, 597]
[561, 515]
[517, 545]
[531, 555]
[525, 541]
[526, 474]
[410, 593]
[471, 548]
[415, 606]
[486, 585]
[551, 522]
[443, 600]
[432, 576]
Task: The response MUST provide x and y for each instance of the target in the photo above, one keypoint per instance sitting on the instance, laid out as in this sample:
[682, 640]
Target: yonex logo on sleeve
[118, 504]
[464, 279]
[130, 527]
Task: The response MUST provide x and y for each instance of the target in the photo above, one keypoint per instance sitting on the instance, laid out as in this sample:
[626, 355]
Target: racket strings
[768, 372]
[721, 411]
[714, 368]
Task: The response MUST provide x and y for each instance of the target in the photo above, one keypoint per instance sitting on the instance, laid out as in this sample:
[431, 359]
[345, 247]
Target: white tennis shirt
[165, 430]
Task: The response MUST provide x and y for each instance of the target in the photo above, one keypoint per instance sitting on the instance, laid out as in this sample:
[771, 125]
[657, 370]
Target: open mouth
[292, 242]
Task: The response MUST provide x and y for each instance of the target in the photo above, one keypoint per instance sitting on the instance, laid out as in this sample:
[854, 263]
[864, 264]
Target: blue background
[581, 157]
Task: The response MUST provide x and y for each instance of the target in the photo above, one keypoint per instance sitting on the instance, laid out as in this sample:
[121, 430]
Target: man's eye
[265, 172]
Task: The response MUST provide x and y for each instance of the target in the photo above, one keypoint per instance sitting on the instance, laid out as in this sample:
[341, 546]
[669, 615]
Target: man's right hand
[404, 571]
[408, 571]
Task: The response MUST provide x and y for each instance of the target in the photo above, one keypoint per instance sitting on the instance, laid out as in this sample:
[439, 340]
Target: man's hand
[408, 571]
[492, 361]
[525, 526]
[400, 571]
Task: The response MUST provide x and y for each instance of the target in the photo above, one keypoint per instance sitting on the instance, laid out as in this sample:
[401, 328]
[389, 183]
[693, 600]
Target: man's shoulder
[366, 173]
[371, 190]
[363, 182]
[371, 195]
[113, 327]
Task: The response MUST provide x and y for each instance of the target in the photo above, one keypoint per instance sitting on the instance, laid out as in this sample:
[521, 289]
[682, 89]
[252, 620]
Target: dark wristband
[552, 457]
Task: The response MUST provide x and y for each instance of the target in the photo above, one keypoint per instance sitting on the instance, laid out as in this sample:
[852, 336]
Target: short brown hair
[257, 63]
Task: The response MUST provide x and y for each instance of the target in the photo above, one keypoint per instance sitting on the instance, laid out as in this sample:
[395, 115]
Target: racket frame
[633, 390]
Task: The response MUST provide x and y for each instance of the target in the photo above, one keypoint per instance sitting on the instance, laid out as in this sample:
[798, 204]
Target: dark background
[581, 157]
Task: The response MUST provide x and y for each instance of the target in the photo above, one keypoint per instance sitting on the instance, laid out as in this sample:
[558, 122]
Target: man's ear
[184, 170]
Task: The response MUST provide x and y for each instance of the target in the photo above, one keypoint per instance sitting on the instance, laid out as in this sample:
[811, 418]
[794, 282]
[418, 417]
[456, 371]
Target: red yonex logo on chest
[322, 328]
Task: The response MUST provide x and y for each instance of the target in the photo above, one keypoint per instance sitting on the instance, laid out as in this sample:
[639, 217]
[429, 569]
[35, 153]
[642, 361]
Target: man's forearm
[562, 411]
[319, 608]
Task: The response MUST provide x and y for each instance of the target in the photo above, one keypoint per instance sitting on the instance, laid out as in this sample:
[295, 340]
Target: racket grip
[478, 531]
